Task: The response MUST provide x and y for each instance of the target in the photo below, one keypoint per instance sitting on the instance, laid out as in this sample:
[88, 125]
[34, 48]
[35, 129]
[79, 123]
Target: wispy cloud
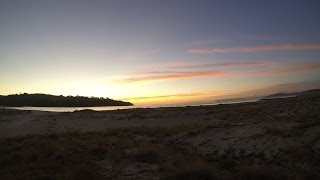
[165, 65]
[235, 38]
[259, 37]
[172, 73]
[188, 65]
[255, 49]
[227, 95]
[295, 68]
[167, 76]
[228, 64]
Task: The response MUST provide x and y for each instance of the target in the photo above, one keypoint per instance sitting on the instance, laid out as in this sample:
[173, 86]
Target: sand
[261, 114]
[275, 131]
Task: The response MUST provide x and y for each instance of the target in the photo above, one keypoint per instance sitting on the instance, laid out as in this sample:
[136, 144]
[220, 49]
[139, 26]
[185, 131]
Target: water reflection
[105, 108]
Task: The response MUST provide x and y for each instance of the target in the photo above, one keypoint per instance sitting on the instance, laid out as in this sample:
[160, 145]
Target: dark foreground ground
[271, 139]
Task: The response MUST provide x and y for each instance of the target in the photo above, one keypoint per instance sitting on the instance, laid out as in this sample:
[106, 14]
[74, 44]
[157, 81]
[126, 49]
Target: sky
[159, 51]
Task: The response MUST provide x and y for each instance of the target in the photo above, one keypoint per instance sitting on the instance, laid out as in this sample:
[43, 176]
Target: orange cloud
[170, 96]
[168, 76]
[296, 68]
[172, 63]
[178, 99]
[255, 49]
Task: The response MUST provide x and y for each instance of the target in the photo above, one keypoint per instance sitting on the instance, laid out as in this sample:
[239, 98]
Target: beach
[275, 138]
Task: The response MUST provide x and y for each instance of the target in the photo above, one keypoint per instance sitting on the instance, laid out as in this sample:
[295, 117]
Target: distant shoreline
[112, 108]
[88, 119]
[127, 105]
[46, 100]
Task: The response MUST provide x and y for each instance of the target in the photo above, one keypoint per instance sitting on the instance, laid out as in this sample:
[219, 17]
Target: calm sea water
[71, 109]
[104, 108]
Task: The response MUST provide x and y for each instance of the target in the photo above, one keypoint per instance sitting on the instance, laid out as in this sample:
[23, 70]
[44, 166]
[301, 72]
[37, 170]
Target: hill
[281, 95]
[46, 100]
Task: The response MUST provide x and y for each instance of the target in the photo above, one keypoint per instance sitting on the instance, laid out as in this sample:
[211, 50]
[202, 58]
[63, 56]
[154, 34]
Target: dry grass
[297, 152]
[316, 137]
[75, 155]
[307, 121]
[278, 131]
[254, 172]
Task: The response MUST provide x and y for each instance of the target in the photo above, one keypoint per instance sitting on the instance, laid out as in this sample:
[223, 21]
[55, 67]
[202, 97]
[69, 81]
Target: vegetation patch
[308, 121]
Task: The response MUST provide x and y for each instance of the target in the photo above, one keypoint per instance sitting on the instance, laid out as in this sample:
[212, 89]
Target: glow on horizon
[159, 52]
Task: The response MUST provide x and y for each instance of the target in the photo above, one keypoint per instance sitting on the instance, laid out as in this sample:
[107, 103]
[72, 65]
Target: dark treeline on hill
[45, 100]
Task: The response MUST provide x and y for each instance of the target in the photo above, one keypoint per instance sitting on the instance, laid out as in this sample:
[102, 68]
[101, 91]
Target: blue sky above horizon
[168, 51]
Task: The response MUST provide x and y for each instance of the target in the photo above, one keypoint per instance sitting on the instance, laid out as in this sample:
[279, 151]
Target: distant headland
[46, 100]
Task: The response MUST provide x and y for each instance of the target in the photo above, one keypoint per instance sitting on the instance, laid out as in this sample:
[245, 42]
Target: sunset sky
[159, 51]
